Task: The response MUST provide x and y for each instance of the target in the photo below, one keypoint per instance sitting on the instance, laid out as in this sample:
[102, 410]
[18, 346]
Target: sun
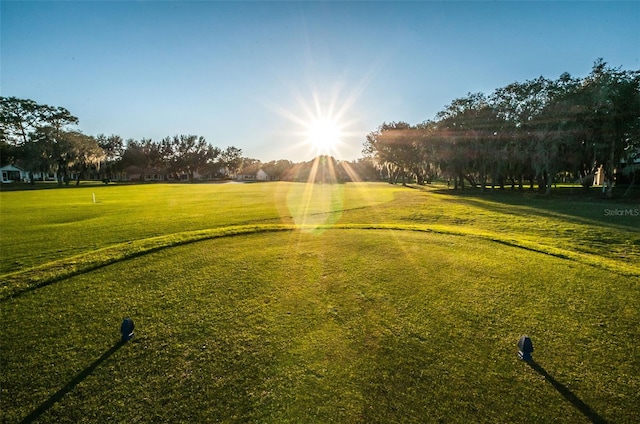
[324, 134]
[320, 122]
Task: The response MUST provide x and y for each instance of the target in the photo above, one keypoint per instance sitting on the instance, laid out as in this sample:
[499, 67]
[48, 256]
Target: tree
[36, 157]
[63, 152]
[277, 169]
[470, 126]
[191, 154]
[145, 154]
[610, 117]
[395, 148]
[8, 153]
[21, 117]
[85, 154]
[231, 159]
[519, 105]
[113, 148]
[34, 129]
[554, 131]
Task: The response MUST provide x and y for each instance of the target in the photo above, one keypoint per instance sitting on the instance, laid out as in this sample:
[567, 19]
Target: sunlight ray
[353, 175]
[320, 117]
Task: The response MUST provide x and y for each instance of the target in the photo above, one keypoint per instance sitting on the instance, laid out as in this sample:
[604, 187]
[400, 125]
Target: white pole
[94, 198]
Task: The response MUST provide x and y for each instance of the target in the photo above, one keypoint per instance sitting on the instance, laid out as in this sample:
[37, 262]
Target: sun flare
[321, 121]
[324, 135]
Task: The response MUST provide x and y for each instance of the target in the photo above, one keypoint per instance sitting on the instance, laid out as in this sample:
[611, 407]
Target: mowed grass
[61, 223]
[295, 303]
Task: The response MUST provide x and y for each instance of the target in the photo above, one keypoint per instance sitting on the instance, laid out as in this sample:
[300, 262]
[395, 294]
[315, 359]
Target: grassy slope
[340, 325]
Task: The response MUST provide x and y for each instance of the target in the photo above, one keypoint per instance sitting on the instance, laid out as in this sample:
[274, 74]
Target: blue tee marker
[525, 346]
[127, 329]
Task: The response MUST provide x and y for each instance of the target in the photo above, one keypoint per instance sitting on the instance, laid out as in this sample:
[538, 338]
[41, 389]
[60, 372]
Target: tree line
[39, 139]
[42, 140]
[535, 132]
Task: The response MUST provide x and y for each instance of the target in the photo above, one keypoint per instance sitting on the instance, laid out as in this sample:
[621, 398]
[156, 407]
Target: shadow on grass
[56, 397]
[580, 208]
[568, 394]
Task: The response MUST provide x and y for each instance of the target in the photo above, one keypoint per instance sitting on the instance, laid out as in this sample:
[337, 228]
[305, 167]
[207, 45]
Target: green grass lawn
[330, 303]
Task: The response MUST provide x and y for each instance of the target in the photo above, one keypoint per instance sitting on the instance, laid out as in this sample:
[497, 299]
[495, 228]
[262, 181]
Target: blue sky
[251, 74]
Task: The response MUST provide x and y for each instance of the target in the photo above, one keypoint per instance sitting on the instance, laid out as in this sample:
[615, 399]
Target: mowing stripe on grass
[16, 283]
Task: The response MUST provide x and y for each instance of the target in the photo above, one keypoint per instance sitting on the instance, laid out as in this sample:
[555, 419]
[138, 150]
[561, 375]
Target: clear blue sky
[249, 74]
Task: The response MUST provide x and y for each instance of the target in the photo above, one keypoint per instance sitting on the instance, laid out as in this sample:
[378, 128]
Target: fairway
[354, 303]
